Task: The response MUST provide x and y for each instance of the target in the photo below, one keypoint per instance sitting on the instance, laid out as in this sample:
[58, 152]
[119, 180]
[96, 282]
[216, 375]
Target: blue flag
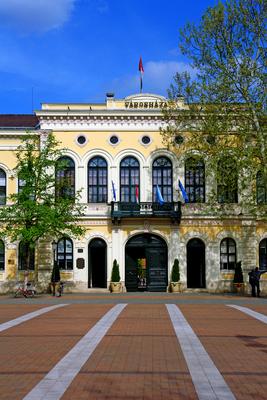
[113, 191]
[184, 194]
[159, 197]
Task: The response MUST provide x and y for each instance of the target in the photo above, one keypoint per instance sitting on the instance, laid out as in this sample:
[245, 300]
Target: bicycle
[28, 292]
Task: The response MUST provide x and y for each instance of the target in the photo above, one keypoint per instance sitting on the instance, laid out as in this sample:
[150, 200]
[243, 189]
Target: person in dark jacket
[55, 278]
[254, 280]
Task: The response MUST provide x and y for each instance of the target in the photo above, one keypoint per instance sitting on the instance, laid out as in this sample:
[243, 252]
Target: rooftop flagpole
[141, 70]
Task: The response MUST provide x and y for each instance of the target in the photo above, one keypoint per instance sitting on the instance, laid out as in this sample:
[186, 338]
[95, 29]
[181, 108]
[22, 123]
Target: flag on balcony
[113, 191]
[141, 70]
[137, 194]
[184, 194]
[159, 197]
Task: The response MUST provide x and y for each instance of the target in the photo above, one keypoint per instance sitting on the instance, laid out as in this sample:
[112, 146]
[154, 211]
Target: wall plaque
[80, 263]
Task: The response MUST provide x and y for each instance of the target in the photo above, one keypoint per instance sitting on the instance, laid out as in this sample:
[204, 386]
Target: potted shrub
[115, 283]
[238, 278]
[175, 284]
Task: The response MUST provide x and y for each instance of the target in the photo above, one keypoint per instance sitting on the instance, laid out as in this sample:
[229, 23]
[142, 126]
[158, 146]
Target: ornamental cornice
[8, 134]
[101, 122]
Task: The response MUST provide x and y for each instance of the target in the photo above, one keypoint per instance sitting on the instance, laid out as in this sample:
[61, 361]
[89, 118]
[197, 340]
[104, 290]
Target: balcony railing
[146, 210]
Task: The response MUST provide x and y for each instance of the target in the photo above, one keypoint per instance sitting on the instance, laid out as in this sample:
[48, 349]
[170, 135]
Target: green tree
[35, 211]
[225, 92]
[115, 274]
[175, 275]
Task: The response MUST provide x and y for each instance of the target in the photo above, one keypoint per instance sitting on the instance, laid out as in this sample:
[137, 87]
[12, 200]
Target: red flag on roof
[140, 67]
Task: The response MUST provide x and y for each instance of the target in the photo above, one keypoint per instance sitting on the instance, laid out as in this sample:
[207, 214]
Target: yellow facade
[154, 238]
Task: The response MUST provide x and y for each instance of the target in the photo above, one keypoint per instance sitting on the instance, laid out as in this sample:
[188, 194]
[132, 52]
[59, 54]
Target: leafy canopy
[225, 95]
[35, 212]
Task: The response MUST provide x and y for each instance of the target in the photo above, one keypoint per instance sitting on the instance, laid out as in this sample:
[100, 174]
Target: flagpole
[141, 70]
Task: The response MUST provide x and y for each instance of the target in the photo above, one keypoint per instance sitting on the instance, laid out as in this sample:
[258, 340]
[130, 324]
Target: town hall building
[134, 209]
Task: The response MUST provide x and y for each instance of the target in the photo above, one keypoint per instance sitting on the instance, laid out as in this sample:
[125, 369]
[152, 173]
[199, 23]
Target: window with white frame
[228, 253]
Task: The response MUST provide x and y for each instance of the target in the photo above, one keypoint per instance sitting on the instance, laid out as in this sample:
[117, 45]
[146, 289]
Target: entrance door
[196, 270]
[131, 274]
[157, 271]
[97, 271]
[146, 263]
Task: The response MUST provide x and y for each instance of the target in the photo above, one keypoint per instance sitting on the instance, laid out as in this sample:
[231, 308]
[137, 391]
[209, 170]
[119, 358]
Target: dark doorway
[97, 271]
[196, 271]
[146, 264]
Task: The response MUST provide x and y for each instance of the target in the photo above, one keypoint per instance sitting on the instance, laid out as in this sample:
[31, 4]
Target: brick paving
[139, 357]
[29, 351]
[13, 311]
[237, 344]
[259, 308]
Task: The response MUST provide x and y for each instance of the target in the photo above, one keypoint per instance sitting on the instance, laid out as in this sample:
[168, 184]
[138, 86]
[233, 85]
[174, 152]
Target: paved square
[103, 346]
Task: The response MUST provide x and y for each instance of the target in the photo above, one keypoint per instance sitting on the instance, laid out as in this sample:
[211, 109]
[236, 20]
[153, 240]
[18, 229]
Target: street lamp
[54, 247]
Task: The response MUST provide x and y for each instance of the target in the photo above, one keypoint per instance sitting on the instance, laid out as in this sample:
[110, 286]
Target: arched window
[162, 177]
[24, 252]
[227, 181]
[2, 255]
[2, 187]
[97, 180]
[261, 188]
[263, 254]
[129, 180]
[65, 253]
[195, 180]
[65, 178]
[228, 253]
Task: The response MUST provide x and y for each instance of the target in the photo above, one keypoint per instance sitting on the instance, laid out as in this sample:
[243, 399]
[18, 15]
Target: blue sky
[77, 50]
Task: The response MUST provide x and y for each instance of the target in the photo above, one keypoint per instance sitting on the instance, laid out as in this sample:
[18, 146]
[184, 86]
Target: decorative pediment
[146, 101]
[145, 97]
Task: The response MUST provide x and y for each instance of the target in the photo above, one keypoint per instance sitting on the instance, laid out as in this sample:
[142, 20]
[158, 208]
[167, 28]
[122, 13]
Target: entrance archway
[146, 264]
[97, 270]
[196, 269]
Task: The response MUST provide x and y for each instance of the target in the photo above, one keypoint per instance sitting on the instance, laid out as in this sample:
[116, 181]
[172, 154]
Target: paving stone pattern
[139, 356]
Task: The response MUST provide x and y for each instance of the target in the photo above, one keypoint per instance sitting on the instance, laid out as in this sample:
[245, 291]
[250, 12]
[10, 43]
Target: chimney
[110, 100]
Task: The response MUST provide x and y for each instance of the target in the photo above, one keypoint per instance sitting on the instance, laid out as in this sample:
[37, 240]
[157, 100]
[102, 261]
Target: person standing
[254, 280]
[55, 279]
[258, 274]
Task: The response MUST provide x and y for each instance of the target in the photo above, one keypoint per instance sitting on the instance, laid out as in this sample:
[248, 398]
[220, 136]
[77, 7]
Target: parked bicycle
[28, 292]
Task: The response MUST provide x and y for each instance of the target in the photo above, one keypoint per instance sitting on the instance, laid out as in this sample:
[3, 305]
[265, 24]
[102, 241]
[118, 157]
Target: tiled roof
[18, 121]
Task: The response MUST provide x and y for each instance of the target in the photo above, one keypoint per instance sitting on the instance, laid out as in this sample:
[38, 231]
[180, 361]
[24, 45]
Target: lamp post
[54, 247]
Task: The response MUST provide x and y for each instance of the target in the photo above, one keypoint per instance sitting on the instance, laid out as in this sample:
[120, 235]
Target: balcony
[145, 210]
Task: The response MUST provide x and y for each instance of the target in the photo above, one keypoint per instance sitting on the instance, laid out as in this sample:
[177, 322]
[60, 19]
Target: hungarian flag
[137, 194]
[141, 70]
[183, 191]
[113, 191]
[159, 197]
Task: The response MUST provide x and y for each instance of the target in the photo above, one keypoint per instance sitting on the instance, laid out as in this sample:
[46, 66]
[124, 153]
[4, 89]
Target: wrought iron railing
[170, 210]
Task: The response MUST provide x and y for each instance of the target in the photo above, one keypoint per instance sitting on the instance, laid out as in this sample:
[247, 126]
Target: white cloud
[35, 15]
[157, 78]
[162, 72]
